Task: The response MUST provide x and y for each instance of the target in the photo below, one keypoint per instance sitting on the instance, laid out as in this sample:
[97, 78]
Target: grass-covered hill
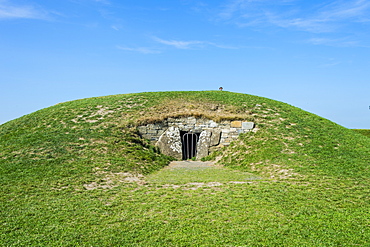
[78, 174]
[365, 132]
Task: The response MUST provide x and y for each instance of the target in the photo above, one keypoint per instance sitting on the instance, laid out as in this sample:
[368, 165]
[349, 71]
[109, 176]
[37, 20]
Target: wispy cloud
[143, 50]
[116, 27]
[183, 45]
[10, 11]
[286, 14]
[342, 42]
[179, 44]
[193, 44]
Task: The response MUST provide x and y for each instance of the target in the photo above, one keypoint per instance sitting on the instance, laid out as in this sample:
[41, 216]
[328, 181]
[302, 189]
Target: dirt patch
[111, 180]
[191, 165]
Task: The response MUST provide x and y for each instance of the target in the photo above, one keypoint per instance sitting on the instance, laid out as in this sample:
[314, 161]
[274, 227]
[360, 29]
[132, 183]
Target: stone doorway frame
[212, 136]
[189, 142]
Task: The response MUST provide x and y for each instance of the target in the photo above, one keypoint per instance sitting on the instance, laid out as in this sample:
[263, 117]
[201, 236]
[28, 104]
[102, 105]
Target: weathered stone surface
[212, 124]
[203, 144]
[240, 131]
[170, 143]
[166, 134]
[236, 124]
[247, 125]
[215, 137]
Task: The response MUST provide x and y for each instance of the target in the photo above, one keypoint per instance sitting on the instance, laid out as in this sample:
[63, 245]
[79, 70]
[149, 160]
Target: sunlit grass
[183, 175]
[70, 175]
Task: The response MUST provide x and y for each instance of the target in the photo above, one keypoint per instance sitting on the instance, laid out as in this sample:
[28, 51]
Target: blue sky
[311, 54]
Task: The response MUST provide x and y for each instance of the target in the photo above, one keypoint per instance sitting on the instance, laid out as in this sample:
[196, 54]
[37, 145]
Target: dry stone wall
[212, 136]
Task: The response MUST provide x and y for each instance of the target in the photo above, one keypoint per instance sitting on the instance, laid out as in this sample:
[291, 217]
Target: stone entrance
[189, 141]
[211, 136]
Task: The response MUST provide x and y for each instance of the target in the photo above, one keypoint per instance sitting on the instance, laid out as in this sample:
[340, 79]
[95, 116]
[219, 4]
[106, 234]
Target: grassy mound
[365, 132]
[75, 174]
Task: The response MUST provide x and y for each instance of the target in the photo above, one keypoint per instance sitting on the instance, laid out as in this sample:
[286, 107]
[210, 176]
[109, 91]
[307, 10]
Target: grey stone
[203, 144]
[213, 124]
[225, 131]
[240, 131]
[247, 125]
[160, 132]
[152, 132]
[167, 133]
[169, 143]
[141, 129]
[150, 126]
[215, 137]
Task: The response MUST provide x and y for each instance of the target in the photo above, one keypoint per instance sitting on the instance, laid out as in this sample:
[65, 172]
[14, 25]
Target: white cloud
[179, 44]
[342, 42]
[115, 27]
[194, 44]
[321, 18]
[9, 11]
[345, 9]
[143, 50]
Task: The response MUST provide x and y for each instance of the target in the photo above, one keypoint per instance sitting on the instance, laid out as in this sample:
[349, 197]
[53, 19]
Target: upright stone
[215, 137]
[170, 143]
[203, 144]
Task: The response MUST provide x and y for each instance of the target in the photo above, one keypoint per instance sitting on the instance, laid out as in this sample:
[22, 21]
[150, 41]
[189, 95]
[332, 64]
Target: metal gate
[189, 145]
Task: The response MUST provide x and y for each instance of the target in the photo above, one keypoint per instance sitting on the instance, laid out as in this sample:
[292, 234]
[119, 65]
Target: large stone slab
[203, 144]
[169, 143]
[215, 137]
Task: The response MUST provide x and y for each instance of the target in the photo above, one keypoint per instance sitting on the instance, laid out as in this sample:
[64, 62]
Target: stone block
[150, 126]
[170, 143]
[215, 137]
[191, 120]
[225, 131]
[152, 132]
[158, 126]
[142, 129]
[247, 125]
[240, 131]
[203, 144]
[236, 124]
[213, 124]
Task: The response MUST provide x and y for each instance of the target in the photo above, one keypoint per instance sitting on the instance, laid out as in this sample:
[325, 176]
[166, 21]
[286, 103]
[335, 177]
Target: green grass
[70, 176]
[365, 132]
[182, 176]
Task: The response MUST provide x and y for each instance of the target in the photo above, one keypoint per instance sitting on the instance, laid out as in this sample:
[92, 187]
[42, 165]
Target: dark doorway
[189, 142]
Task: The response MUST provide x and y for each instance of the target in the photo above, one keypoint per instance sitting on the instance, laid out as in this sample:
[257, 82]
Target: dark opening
[189, 142]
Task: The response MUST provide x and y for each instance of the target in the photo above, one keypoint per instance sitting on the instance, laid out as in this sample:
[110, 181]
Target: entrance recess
[189, 145]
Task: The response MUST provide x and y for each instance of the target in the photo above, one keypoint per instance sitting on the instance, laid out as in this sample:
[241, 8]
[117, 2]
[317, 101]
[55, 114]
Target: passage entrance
[189, 145]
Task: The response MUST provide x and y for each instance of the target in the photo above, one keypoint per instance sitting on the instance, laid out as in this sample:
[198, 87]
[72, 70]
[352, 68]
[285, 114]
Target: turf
[365, 132]
[78, 174]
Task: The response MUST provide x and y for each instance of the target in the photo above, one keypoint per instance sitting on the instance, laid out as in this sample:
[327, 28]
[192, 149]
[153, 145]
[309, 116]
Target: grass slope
[76, 174]
[365, 132]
